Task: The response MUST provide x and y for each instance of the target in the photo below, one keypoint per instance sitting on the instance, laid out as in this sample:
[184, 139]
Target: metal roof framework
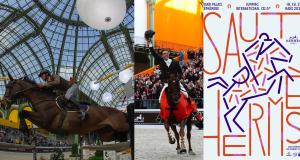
[49, 34]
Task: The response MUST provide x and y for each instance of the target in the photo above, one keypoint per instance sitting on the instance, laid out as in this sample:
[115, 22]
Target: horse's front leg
[34, 117]
[167, 127]
[23, 126]
[181, 133]
[173, 127]
[188, 135]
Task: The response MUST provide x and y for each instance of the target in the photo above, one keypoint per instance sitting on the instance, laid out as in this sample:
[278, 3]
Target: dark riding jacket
[165, 70]
[58, 84]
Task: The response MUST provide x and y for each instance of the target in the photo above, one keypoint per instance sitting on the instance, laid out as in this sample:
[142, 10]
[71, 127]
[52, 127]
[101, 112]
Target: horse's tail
[130, 120]
[123, 136]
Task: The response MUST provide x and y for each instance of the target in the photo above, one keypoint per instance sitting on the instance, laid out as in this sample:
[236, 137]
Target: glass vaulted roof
[49, 34]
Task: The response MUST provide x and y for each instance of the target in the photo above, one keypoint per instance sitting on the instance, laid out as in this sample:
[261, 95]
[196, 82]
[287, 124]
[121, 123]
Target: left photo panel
[66, 86]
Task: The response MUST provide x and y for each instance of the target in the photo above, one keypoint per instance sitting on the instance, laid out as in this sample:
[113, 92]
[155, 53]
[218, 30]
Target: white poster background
[218, 29]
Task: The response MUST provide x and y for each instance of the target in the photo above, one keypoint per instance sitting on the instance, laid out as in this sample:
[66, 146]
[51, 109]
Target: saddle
[67, 105]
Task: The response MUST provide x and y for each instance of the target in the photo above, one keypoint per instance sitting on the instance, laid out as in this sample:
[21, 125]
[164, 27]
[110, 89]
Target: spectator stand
[148, 85]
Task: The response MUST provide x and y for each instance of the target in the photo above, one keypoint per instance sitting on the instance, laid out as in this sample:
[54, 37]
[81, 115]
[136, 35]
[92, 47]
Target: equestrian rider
[61, 86]
[168, 66]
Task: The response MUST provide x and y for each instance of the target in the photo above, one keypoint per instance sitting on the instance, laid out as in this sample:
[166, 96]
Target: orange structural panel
[150, 71]
[179, 22]
[146, 73]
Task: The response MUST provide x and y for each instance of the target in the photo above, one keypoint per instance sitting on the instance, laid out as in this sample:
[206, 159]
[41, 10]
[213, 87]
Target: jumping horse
[108, 123]
[174, 109]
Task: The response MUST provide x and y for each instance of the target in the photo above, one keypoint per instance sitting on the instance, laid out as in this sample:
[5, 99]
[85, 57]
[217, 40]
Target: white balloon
[106, 97]
[94, 86]
[80, 5]
[126, 75]
[101, 14]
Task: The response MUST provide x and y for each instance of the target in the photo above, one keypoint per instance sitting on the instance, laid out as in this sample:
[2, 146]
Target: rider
[168, 66]
[61, 85]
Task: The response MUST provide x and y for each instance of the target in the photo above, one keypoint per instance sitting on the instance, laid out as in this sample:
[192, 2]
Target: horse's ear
[10, 77]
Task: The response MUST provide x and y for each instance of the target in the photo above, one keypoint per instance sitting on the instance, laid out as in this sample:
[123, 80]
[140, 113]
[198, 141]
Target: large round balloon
[101, 14]
[126, 75]
[106, 97]
[94, 86]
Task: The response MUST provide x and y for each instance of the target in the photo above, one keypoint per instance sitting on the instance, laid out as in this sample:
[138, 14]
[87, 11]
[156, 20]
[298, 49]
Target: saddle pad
[184, 109]
[67, 106]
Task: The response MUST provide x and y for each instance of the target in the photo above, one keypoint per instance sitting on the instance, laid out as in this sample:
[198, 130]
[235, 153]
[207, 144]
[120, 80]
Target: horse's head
[15, 88]
[173, 90]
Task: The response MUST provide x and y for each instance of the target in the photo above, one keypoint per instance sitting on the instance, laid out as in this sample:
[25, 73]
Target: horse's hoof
[191, 152]
[182, 151]
[178, 151]
[172, 141]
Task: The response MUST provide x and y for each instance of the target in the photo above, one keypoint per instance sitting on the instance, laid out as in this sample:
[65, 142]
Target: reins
[24, 90]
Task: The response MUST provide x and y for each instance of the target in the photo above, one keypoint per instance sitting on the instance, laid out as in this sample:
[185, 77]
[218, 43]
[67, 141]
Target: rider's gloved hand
[148, 37]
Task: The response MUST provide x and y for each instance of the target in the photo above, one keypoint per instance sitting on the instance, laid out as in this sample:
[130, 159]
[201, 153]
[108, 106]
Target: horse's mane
[44, 90]
[26, 79]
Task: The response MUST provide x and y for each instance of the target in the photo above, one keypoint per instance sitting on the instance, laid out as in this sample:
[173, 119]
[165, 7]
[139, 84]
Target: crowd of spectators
[11, 135]
[149, 87]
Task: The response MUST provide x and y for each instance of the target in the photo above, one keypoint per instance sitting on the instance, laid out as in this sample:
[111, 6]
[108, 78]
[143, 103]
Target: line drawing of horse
[266, 62]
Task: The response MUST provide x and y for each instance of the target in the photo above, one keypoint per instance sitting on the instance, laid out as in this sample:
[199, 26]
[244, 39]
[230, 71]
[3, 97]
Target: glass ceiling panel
[36, 34]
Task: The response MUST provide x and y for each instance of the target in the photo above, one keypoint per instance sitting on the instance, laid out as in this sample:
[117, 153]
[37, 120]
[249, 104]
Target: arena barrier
[29, 148]
[116, 147]
[8, 123]
[148, 116]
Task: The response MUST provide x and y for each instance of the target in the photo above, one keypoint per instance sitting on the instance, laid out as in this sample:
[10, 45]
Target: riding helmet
[44, 71]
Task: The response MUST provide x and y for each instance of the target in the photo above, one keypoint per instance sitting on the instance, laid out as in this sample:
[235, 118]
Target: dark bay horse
[177, 103]
[109, 123]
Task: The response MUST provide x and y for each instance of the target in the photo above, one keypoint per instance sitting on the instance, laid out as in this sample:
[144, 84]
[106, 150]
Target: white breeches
[182, 89]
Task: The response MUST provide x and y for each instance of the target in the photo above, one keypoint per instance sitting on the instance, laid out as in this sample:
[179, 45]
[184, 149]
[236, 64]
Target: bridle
[24, 90]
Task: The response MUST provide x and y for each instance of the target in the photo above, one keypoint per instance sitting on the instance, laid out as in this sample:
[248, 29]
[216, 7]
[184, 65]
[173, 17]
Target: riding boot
[82, 112]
